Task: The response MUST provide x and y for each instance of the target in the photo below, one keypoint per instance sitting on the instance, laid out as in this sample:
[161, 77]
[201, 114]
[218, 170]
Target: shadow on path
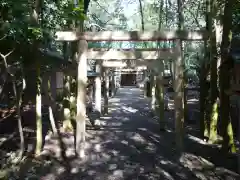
[130, 146]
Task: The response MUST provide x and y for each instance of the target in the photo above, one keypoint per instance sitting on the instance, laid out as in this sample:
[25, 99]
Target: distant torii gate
[138, 55]
[131, 58]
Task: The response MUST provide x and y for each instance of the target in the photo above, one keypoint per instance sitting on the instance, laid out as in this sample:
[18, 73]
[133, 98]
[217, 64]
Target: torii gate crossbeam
[132, 35]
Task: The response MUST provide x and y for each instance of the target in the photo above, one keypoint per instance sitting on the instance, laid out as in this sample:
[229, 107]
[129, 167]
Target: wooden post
[98, 94]
[113, 83]
[145, 82]
[160, 94]
[179, 96]
[120, 78]
[115, 80]
[238, 153]
[53, 85]
[81, 98]
[153, 90]
[106, 90]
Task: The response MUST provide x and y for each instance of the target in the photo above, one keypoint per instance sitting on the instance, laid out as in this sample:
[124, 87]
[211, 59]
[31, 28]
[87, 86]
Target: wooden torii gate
[131, 58]
[84, 53]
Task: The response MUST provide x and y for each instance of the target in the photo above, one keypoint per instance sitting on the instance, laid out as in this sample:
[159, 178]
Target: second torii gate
[84, 54]
[125, 58]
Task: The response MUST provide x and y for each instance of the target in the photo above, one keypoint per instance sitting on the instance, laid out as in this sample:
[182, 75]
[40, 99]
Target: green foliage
[14, 18]
[236, 19]
[71, 12]
[18, 31]
[36, 32]
[194, 58]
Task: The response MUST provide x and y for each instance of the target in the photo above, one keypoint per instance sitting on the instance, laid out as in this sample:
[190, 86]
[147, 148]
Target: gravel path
[130, 146]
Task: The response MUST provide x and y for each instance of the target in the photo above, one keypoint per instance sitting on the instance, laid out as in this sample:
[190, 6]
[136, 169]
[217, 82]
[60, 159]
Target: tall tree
[18, 98]
[142, 16]
[213, 57]
[224, 79]
[159, 80]
[204, 71]
[146, 90]
[179, 86]
[36, 24]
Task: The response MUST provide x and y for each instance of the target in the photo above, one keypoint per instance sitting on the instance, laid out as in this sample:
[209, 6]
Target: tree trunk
[160, 100]
[51, 108]
[73, 84]
[39, 135]
[179, 98]
[146, 89]
[18, 99]
[67, 124]
[159, 86]
[106, 90]
[18, 104]
[213, 92]
[212, 55]
[35, 23]
[204, 89]
[224, 79]
[179, 84]
[185, 92]
[141, 12]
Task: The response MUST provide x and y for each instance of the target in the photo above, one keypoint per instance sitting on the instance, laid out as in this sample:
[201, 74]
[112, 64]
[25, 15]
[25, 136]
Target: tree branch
[195, 18]
[4, 57]
[3, 37]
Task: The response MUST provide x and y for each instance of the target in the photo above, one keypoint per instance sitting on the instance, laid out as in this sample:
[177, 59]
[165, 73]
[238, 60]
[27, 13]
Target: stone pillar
[106, 90]
[98, 91]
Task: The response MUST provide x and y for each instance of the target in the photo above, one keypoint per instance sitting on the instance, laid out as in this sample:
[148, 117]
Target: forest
[33, 108]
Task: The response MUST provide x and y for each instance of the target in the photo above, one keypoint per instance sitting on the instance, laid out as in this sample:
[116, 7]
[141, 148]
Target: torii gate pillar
[113, 79]
[81, 97]
[153, 92]
[98, 94]
[106, 90]
[145, 75]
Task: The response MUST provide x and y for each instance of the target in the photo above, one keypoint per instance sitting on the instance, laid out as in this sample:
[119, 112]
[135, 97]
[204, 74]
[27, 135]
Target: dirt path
[130, 146]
